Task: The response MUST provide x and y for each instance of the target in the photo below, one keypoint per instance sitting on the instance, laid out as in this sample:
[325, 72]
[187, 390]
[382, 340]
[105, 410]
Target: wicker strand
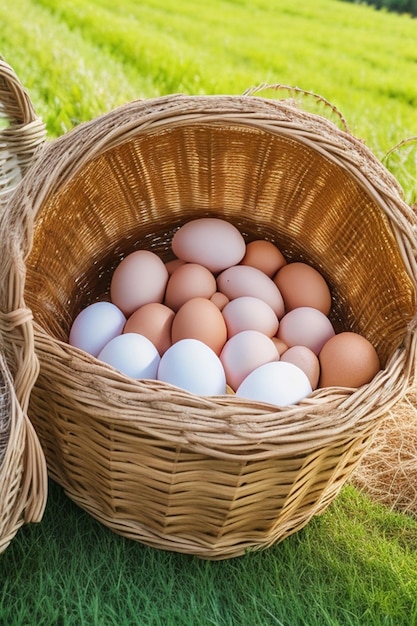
[23, 474]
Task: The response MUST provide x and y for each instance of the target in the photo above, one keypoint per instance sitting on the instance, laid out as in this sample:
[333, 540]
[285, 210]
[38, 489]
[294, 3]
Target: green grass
[80, 59]
[356, 564]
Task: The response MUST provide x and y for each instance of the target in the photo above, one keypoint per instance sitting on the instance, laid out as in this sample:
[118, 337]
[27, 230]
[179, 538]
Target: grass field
[356, 565]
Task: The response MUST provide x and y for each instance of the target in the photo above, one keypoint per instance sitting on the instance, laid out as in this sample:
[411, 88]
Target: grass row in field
[93, 55]
[80, 59]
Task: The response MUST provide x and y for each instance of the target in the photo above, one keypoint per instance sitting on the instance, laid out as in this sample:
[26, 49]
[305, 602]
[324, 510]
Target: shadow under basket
[212, 477]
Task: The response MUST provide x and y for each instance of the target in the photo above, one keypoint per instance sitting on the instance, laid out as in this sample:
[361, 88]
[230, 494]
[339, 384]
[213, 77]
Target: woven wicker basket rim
[276, 117]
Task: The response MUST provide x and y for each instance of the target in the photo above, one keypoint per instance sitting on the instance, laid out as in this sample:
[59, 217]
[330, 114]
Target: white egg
[95, 326]
[193, 366]
[277, 383]
[132, 354]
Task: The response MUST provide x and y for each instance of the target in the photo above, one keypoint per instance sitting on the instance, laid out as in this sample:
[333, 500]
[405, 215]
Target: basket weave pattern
[209, 476]
[23, 478]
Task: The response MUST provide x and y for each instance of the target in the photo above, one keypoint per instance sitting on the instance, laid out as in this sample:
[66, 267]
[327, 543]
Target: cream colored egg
[249, 313]
[209, 241]
[244, 352]
[305, 359]
[141, 277]
[305, 326]
[244, 280]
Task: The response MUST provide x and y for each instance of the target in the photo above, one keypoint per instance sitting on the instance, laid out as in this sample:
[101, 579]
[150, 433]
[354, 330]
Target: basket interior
[270, 186]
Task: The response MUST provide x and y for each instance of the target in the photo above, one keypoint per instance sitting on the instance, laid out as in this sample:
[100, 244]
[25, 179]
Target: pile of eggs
[224, 316]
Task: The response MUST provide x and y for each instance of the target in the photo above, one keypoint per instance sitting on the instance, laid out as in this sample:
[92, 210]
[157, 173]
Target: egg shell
[193, 366]
[280, 345]
[348, 360]
[277, 383]
[220, 300]
[133, 355]
[265, 256]
[154, 321]
[305, 359]
[190, 280]
[244, 352]
[209, 241]
[95, 326]
[305, 326]
[244, 280]
[141, 277]
[173, 264]
[249, 313]
[199, 318]
[301, 284]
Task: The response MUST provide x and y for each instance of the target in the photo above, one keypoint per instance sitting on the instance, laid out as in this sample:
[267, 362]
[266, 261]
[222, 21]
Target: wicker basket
[216, 476]
[23, 478]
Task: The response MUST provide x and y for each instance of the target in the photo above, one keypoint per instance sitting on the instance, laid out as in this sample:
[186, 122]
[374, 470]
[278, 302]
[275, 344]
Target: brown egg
[265, 256]
[347, 360]
[306, 360]
[220, 300]
[173, 264]
[154, 321]
[280, 345]
[301, 284]
[189, 280]
[199, 318]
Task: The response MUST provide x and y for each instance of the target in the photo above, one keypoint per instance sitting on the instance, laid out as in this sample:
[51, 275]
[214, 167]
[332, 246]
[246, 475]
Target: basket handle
[22, 134]
[300, 92]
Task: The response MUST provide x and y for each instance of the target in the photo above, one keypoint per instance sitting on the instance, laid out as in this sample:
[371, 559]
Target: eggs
[301, 284]
[192, 365]
[141, 277]
[189, 280]
[95, 326]
[132, 354]
[249, 313]
[348, 360]
[244, 280]
[277, 383]
[199, 318]
[305, 326]
[154, 321]
[209, 241]
[223, 316]
[244, 352]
